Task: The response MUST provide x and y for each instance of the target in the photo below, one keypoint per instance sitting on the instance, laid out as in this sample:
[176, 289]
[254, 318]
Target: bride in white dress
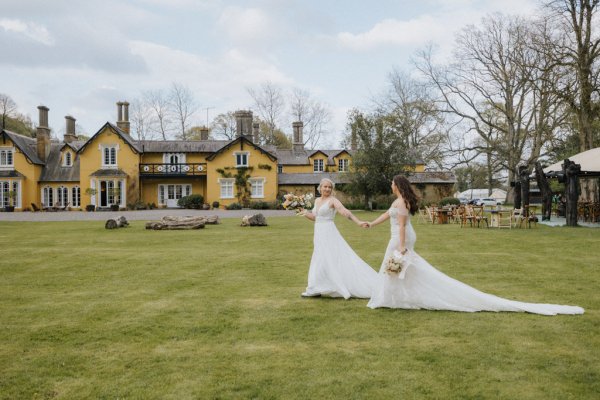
[335, 269]
[423, 286]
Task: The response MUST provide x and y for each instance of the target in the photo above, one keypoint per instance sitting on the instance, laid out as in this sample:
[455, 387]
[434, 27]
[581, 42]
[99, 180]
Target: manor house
[113, 168]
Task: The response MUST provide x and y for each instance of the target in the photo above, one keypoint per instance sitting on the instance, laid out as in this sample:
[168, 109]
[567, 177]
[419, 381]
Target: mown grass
[216, 313]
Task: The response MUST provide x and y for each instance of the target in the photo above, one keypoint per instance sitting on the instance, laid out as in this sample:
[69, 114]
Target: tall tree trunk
[546, 192]
[524, 179]
[571, 171]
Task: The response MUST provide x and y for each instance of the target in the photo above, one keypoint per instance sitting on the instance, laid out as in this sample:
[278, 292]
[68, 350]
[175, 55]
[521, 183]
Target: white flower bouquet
[397, 263]
[298, 203]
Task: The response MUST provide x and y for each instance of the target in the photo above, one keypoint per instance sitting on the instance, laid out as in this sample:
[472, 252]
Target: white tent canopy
[589, 161]
[497, 194]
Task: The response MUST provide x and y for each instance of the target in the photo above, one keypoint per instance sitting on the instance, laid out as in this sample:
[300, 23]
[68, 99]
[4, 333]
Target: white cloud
[395, 32]
[30, 30]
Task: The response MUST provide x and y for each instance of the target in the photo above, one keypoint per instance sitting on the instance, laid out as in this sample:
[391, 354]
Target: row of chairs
[35, 208]
[475, 216]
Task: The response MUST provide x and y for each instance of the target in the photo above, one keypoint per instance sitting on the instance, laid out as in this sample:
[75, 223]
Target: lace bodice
[411, 236]
[324, 212]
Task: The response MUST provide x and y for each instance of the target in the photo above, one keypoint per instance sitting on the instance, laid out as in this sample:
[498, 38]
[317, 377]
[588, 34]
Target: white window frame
[7, 154]
[5, 187]
[62, 196]
[48, 194]
[318, 165]
[241, 153]
[67, 159]
[257, 184]
[343, 165]
[113, 151]
[179, 190]
[226, 183]
[280, 169]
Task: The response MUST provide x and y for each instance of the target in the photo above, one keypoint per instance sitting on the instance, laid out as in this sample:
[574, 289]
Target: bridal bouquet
[397, 264]
[296, 203]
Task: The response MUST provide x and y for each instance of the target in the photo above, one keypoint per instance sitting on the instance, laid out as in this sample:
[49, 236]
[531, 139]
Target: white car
[488, 202]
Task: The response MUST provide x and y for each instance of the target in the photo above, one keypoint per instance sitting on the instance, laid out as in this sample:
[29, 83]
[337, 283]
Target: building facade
[111, 169]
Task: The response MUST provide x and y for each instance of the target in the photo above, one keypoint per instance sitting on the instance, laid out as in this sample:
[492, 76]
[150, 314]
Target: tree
[490, 87]
[141, 118]
[315, 115]
[576, 47]
[275, 137]
[7, 108]
[183, 106]
[224, 126]
[158, 103]
[420, 121]
[269, 103]
[382, 153]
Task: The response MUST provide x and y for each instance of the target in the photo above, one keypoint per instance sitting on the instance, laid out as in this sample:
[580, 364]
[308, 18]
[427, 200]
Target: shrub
[260, 205]
[195, 201]
[151, 206]
[215, 204]
[90, 207]
[449, 201]
[234, 206]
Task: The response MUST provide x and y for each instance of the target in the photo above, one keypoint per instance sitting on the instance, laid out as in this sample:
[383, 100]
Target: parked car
[487, 202]
[473, 202]
[463, 200]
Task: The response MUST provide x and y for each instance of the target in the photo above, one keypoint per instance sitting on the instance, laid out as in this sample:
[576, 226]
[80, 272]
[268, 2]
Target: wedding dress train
[424, 287]
[335, 269]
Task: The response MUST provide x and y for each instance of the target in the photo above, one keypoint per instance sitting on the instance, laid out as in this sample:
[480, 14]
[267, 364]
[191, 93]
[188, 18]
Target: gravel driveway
[141, 215]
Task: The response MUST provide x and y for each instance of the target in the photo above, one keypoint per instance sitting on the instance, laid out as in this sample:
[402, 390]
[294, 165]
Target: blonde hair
[327, 180]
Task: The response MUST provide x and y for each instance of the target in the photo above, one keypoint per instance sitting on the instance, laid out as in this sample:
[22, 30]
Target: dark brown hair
[407, 192]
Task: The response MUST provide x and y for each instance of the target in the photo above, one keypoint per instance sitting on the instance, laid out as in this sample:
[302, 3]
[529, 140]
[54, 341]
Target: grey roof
[291, 157]
[269, 151]
[311, 178]
[53, 171]
[11, 174]
[109, 172]
[126, 137]
[180, 146]
[75, 145]
[26, 144]
[432, 177]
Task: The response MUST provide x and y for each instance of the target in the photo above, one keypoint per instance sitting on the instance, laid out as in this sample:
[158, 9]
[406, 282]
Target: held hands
[365, 224]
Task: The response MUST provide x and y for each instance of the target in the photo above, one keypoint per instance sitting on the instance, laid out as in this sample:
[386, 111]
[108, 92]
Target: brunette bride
[335, 269]
[421, 285]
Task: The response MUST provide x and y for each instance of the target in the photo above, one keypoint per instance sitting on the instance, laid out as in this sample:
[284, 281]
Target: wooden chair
[505, 219]
[62, 208]
[431, 214]
[516, 217]
[479, 216]
[422, 215]
[467, 216]
[529, 216]
[34, 207]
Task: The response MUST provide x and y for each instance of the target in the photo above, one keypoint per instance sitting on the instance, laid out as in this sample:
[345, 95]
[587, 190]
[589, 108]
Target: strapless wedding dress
[335, 269]
[425, 287]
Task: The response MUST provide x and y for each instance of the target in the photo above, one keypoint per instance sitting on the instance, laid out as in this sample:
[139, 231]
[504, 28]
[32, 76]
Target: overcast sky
[80, 57]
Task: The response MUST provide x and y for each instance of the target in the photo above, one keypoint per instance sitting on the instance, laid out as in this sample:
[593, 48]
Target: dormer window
[6, 158]
[109, 156]
[343, 165]
[68, 159]
[241, 159]
[318, 165]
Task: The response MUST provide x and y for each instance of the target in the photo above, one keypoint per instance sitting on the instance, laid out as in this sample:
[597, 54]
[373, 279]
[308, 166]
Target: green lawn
[217, 313]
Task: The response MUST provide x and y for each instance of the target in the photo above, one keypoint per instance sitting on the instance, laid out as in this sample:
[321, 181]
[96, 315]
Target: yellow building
[112, 170]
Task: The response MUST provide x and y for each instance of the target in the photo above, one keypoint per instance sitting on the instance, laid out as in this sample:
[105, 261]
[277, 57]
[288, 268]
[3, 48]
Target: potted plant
[12, 195]
[90, 192]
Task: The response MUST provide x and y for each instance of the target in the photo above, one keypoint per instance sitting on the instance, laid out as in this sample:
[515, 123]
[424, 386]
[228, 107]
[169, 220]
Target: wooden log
[208, 220]
[172, 225]
[254, 220]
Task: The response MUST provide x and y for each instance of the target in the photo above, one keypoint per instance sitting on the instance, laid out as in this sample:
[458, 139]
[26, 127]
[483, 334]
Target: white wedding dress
[335, 269]
[424, 287]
